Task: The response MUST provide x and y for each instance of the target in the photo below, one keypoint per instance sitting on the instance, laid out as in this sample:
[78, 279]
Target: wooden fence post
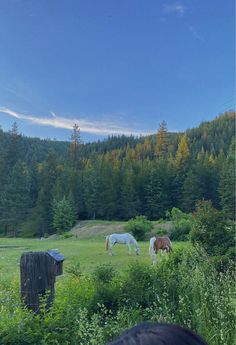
[38, 272]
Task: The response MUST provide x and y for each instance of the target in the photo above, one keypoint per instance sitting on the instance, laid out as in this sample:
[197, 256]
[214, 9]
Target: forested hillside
[117, 178]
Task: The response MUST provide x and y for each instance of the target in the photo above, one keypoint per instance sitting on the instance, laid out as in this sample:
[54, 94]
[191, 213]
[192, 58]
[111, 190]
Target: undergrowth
[184, 289]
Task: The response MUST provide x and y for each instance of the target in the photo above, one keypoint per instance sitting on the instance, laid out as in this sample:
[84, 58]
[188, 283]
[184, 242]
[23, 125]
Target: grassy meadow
[86, 246]
[88, 252]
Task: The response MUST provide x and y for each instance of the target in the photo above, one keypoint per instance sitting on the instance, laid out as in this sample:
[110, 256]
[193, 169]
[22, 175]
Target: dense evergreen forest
[114, 179]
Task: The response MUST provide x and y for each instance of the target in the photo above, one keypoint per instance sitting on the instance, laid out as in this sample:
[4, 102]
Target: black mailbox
[57, 261]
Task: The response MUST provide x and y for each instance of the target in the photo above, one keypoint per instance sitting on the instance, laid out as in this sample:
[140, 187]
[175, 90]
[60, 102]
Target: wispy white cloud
[176, 8]
[87, 126]
[179, 9]
[196, 34]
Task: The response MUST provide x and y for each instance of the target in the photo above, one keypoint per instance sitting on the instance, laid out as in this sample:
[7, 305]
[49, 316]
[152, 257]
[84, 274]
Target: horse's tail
[151, 246]
[107, 240]
[170, 245]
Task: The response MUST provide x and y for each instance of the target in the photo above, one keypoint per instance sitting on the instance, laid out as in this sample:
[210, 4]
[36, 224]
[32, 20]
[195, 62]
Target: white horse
[127, 239]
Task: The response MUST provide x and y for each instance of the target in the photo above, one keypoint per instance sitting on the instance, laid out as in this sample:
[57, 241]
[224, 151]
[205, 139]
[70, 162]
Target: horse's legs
[152, 253]
[128, 248]
[110, 248]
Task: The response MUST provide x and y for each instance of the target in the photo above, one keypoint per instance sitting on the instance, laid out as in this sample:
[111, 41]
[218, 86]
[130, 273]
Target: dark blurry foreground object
[158, 334]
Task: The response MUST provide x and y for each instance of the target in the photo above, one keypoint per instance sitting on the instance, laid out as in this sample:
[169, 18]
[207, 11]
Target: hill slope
[98, 228]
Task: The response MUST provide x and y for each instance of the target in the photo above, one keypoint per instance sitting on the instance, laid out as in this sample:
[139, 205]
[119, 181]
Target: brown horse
[162, 243]
[159, 243]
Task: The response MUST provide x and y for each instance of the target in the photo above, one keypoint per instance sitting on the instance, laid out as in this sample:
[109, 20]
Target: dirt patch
[86, 229]
[91, 228]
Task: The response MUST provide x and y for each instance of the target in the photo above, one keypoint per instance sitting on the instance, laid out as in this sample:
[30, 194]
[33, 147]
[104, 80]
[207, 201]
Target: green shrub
[106, 288]
[74, 269]
[182, 224]
[138, 285]
[106, 295]
[104, 273]
[66, 235]
[139, 227]
[212, 230]
[162, 232]
[180, 231]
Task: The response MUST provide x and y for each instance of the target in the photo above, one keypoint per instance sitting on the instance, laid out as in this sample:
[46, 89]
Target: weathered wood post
[38, 274]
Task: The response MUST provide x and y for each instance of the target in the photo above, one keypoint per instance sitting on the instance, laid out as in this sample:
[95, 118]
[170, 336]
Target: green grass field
[88, 252]
[86, 247]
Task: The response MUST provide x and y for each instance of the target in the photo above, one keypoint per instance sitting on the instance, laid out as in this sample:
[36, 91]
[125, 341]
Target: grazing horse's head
[166, 249]
[137, 251]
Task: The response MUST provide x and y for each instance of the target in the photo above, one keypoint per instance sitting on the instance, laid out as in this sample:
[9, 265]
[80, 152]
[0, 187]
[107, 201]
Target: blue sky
[114, 66]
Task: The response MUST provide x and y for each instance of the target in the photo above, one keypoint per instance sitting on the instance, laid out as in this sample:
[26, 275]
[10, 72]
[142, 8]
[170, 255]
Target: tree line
[115, 179]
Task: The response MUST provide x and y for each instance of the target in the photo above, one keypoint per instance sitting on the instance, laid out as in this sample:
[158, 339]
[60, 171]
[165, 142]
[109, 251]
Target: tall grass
[184, 289]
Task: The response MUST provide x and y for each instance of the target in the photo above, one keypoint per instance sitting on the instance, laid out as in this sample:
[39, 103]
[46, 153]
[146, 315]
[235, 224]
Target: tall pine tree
[161, 147]
[228, 184]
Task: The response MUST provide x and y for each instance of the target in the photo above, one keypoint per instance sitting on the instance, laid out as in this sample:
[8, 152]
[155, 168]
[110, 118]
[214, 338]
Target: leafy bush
[139, 227]
[222, 263]
[137, 285]
[162, 232]
[106, 290]
[182, 224]
[211, 229]
[66, 235]
[74, 269]
[104, 273]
